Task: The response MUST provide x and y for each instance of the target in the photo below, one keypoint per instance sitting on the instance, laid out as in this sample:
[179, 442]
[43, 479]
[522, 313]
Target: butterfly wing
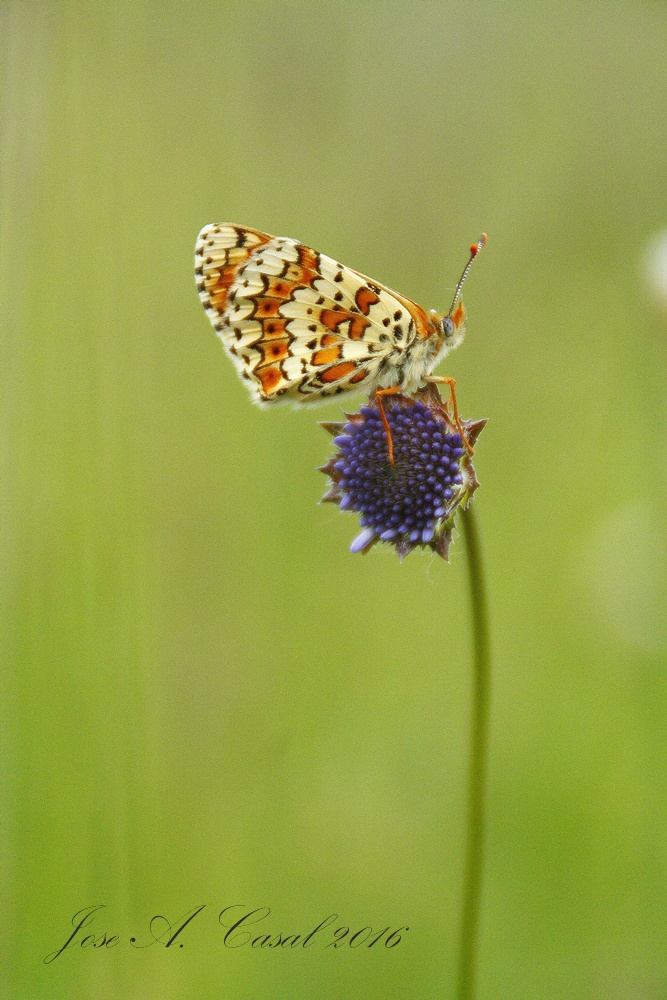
[296, 323]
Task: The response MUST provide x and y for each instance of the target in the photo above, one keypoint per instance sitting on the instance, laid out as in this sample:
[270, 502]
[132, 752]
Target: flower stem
[474, 861]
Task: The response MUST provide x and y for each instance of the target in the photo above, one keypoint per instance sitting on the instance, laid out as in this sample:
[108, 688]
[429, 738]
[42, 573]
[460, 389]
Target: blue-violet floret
[412, 502]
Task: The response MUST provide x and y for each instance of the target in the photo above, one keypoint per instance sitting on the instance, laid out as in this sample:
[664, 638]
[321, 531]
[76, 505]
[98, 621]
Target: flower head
[412, 502]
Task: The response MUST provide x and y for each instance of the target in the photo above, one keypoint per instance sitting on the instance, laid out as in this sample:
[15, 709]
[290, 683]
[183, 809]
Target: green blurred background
[206, 697]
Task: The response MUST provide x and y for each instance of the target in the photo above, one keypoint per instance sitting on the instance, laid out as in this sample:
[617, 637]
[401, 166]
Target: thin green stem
[474, 861]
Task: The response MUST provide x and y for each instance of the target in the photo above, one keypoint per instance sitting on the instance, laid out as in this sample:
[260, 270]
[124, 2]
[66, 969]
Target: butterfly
[300, 326]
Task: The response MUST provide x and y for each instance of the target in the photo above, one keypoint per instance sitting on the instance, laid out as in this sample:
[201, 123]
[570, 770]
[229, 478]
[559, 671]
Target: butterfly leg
[440, 380]
[390, 391]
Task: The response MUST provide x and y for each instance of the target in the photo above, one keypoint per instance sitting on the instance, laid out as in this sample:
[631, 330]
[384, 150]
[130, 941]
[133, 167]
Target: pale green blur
[207, 699]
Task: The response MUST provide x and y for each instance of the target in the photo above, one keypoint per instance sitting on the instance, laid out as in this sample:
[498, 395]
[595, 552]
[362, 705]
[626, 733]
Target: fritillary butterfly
[300, 326]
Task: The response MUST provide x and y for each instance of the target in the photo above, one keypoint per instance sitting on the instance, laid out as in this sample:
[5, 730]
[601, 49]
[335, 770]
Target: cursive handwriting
[83, 918]
[241, 930]
[238, 934]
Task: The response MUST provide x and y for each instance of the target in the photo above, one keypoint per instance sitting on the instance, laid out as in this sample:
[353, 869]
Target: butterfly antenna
[474, 250]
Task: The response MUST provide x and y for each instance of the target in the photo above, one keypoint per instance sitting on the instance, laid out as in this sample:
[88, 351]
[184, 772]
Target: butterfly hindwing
[298, 324]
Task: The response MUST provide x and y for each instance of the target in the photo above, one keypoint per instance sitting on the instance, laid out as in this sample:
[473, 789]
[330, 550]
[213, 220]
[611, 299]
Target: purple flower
[411, 503]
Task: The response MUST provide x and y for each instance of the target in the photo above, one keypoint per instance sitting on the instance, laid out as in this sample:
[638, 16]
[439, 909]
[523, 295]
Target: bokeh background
[206, 698]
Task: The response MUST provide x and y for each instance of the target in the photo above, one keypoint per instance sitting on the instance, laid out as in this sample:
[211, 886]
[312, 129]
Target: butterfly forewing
[298, 324]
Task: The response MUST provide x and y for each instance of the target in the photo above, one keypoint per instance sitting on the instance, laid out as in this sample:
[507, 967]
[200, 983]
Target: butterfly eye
[448, 327]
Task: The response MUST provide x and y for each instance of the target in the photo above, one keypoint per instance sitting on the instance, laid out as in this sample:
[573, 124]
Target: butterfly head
[453, 327]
